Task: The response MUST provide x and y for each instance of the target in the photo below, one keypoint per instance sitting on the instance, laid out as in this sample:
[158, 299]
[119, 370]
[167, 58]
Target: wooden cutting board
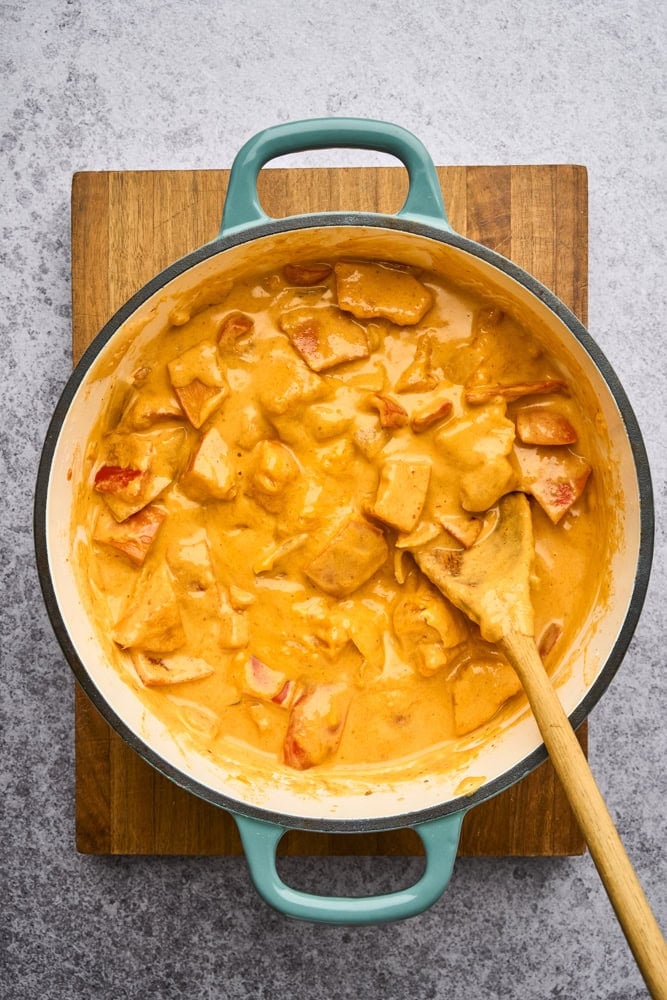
[127, 226]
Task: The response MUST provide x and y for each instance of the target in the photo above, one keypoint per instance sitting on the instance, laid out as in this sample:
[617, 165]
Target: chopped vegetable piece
[480, 687]
[391, 413]
[549, 638]
[315, 725]
[370, 290]
[211, 472]
[268, 684]
[134, 536]
[303, 275]
[234, 326]
[556, 477]
[158, 670]
[152, 620]
[126, 483]
[138, 467]
[540, 425]
[324, 337]
[199, 401]
[353, 555]
[198, 382]
[478, 394]
[402, 491]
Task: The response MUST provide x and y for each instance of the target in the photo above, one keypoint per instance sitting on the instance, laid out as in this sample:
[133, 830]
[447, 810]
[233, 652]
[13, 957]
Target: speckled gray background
[141, 84]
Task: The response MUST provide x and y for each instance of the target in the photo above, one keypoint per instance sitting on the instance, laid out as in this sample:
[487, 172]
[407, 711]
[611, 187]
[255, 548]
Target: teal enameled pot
[267, 801]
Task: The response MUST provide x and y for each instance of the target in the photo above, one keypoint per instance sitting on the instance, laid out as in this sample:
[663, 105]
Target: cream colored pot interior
[377, 792]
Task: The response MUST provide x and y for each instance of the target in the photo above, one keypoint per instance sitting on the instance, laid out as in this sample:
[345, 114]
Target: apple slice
[544, 426]
[324, 337]
[160, 669]
[556, 477]
[267, 684]
[134, 536]
[198, 382]
[315, 724]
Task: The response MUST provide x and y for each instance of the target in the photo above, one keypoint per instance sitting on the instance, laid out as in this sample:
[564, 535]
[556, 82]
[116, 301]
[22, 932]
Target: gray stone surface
[181, 84]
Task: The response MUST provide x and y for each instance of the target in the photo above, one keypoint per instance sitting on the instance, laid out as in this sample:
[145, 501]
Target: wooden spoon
[490, 583]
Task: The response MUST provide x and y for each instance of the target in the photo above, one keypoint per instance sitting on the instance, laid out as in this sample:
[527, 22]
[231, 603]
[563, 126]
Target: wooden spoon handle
[618, 876]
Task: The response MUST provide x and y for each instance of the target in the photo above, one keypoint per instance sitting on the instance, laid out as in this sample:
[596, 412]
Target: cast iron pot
[267, 803]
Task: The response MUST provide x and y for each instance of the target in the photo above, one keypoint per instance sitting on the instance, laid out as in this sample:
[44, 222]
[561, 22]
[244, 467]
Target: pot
[422, 797]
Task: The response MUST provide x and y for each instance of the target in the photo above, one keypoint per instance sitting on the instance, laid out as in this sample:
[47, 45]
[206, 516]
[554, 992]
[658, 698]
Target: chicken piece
[272, 556]
[134, 536]
[149, 406]
[189, 558]
[402, 491]
[324, 337]
[392, 414]
[137, 468]
[263, 682]
[274, 467]
[315, 724]
[292, 382]
[370, 290]
[352, 556]
[158, 670]
[556, 477]
[544, 426]
[152, 620]
[327, 420]
[476, 395]
[418, 377]
[211, 473]
[479, 689]
[425, 617]
[198, 382]
[477, 447]
[303, 275]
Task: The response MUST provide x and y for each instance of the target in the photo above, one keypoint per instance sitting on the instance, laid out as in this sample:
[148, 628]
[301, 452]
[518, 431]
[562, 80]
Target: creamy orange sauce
[254, 494]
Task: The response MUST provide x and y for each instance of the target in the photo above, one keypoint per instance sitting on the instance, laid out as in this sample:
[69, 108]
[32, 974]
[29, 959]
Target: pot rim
[354, 220]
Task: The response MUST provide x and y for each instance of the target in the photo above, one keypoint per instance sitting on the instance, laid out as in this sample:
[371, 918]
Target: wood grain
[127, 226]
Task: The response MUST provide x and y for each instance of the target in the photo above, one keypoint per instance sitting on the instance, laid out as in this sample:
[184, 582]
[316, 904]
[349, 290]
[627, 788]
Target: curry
[256, 490]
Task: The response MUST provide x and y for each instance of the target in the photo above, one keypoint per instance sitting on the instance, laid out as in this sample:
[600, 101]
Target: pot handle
[440, 838]
[242, 206]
